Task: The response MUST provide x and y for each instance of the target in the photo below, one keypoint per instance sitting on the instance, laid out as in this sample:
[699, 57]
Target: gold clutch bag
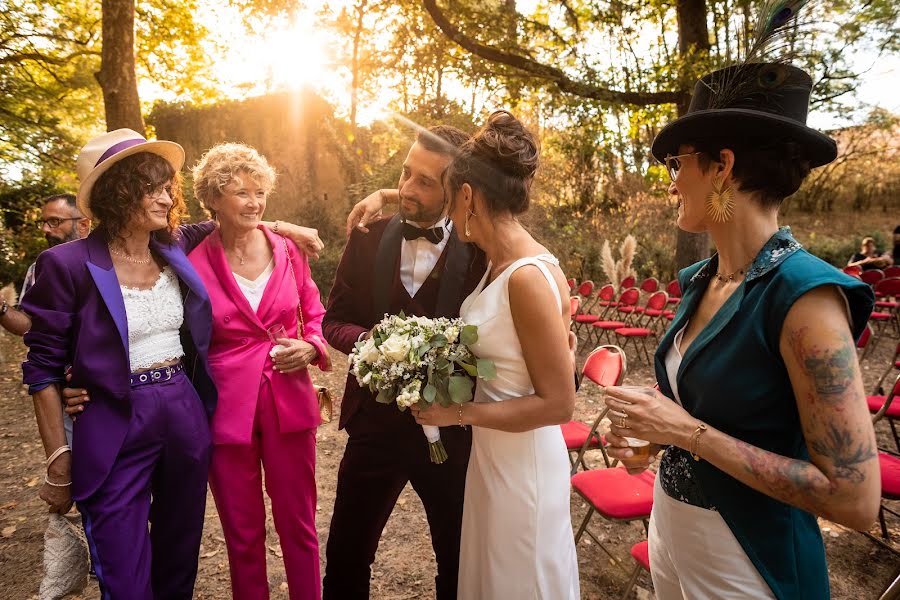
[326, 403]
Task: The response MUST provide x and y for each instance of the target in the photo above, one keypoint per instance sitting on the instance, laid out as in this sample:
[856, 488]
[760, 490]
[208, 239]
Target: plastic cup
[641, 449]
[276, 332]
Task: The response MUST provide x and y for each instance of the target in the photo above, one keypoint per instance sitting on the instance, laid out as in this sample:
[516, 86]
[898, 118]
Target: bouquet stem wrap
[435, 446]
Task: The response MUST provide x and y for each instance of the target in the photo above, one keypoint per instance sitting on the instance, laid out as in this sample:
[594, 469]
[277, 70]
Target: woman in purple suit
[127, 311]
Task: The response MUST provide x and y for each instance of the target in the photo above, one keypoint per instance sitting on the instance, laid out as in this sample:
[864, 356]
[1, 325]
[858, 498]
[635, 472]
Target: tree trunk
[117, 77]
[693, 36]
[360, 9]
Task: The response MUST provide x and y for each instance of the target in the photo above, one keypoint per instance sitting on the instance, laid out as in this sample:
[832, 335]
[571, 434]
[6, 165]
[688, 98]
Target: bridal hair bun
[500, 162]
[506, 142]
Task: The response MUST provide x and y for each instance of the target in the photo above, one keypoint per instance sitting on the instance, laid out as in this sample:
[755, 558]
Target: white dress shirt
[418, 257]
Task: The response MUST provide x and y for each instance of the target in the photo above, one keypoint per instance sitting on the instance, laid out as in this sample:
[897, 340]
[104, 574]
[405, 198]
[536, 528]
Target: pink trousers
[235, 476]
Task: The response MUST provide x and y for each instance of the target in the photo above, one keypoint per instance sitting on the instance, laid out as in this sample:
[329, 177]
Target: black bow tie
[411, 232]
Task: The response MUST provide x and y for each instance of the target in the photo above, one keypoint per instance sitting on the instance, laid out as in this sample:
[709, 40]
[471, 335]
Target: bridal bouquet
[410, 360]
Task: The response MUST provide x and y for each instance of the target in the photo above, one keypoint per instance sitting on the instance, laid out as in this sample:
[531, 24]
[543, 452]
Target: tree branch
[546, 72]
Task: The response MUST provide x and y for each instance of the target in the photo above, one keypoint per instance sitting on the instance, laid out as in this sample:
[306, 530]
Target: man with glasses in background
[60, 222]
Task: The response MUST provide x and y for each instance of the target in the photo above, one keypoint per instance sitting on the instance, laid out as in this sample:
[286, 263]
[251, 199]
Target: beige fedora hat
[105, 150]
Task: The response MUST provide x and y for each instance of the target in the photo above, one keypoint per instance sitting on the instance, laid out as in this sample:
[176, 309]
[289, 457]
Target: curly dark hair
[119, 193]
[499, 161]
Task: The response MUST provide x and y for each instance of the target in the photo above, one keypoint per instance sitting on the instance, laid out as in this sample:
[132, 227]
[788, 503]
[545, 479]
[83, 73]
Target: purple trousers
[159, 477]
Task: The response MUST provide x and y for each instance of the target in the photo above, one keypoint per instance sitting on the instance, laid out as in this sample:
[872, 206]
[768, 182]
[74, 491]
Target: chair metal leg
[631, 581]
[584, 523]
[894, 431]
[881, 521]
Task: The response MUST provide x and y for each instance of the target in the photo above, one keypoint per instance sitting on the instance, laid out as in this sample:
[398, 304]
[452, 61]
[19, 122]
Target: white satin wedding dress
[517, 539]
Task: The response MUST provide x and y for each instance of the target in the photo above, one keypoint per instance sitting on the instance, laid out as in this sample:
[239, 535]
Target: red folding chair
[853, 271]
[638, 333]
[892, 365]
[862, 344]
[625, 308]
[616, 496]
[649, 285]
[605, 366]
[884, 407]
[889, 464]
[893, 270]
[888, 314]
[574, 305]
[640, 552]
[571, 281]
[628, 282]
[674, 291]
[872, 276]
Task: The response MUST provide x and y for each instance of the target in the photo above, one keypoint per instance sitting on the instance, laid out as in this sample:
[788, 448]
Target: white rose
[395, 348]
[369, 353]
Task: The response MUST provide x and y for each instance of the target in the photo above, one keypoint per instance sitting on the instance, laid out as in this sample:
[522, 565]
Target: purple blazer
[78, 319]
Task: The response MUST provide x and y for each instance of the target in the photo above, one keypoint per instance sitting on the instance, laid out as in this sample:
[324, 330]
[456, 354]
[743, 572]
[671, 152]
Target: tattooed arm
[841, 482]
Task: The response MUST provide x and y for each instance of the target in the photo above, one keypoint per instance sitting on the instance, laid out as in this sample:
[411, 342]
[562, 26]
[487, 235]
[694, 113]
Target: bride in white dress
[517, 537]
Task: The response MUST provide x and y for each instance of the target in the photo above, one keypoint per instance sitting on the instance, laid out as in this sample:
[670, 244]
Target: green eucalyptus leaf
[470, 369]
[468, 335]
[486, 369]
[460, 389]
[384, 397]
[438, 340]
[430, 393]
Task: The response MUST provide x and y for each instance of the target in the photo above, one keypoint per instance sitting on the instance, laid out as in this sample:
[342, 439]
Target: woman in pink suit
[267, 413]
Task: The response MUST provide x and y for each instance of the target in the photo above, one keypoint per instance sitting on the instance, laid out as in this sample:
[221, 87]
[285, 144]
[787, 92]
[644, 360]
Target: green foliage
[20, 240]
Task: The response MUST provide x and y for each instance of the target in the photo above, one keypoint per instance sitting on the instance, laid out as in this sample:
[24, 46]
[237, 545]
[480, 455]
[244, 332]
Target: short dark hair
[773, 170]
[443, 139]
[120, 191]
[499, 161]
[69, 199]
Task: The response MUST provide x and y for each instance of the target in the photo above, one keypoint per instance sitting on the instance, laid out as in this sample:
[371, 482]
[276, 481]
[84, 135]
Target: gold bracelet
[694, 446]
[459, 415]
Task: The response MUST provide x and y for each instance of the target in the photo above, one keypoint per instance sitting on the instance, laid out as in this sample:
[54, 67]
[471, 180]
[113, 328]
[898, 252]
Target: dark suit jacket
[359, 297]
[78, 319]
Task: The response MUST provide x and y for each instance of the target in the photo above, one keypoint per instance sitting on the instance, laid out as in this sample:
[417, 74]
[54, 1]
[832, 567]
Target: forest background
[331, 93]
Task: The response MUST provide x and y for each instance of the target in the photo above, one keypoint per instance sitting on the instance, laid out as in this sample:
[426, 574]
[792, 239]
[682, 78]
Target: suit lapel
[385, 264]
[216, 255]
[104, 276]
[279, 275]
[459, 256]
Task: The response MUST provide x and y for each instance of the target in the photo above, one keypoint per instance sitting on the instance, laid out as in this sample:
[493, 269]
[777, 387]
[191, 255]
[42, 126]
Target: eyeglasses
[54, 222]
[673, 163]
[156, 191]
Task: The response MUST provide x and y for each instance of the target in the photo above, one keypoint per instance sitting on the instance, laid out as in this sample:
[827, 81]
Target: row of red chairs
[603, 314]
[873, 276]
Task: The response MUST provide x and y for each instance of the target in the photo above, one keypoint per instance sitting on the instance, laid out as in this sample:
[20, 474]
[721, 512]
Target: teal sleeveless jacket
[733, 378]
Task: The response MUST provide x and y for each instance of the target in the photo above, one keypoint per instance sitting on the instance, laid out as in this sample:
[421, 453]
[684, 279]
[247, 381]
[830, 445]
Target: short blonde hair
[220, 166]
[867, 240]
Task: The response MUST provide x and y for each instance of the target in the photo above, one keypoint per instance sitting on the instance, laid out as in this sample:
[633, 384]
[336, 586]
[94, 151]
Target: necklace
[240, 257]
[729, 278]
[129, 258]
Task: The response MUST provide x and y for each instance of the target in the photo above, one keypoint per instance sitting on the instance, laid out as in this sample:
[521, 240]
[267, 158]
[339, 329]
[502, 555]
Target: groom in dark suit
[413, 263]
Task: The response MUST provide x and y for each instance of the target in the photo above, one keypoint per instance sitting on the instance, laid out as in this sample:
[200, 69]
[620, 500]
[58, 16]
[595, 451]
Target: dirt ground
[404, 567]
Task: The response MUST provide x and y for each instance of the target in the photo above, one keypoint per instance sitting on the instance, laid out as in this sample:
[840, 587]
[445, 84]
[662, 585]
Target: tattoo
[787, 478]
[839, 447]
[831, 368]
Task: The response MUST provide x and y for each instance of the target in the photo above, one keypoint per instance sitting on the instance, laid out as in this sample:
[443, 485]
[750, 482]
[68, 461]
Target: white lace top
[154, 316]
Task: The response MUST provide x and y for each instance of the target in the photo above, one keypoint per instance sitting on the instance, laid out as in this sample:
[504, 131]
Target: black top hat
[753, 103]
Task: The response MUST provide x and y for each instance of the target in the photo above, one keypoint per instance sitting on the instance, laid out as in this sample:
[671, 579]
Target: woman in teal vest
[760, 401]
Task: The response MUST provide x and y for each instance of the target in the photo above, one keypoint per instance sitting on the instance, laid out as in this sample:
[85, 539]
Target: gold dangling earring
[720, 203]
[466, 228]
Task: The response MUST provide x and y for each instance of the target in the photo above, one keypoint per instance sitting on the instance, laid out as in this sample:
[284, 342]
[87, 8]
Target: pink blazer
[239, 349]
